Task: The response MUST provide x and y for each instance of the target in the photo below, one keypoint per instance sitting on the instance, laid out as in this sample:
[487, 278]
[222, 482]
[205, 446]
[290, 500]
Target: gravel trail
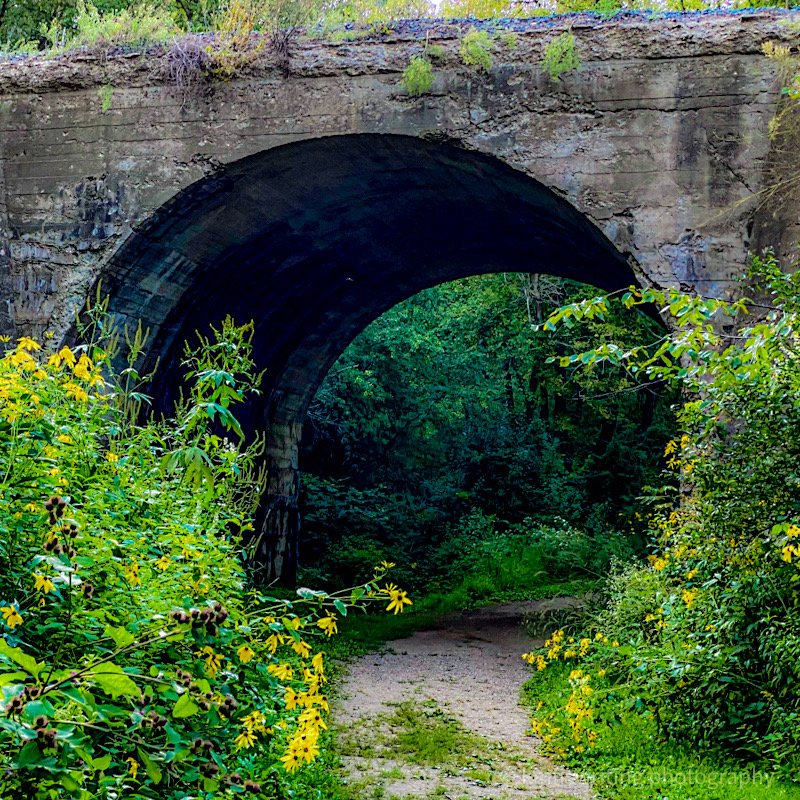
[467, 675]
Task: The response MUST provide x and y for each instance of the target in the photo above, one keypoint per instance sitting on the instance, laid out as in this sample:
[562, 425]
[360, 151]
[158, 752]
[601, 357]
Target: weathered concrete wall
[660, 138]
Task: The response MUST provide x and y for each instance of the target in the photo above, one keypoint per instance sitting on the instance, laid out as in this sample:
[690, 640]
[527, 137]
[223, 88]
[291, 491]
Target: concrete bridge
[313, 201]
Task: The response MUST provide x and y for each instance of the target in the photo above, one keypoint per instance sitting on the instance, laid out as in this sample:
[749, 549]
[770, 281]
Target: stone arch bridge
[315, 199]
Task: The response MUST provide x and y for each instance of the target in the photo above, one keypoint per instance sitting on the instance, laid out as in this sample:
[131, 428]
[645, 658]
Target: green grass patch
[631, 762]
[424, 734]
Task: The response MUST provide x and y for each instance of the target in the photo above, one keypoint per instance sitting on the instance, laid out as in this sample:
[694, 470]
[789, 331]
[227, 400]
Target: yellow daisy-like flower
[327, 625]
[75, 391]
[64, 439]
[64, 355]
[397, 600]
[132, 574]
[254, 722]
[291, 761]
[11, 616]
[162, 563]
[133, 768]
[42, 583]
[245, 740]
[302, 648]
[26, 343]
[213, 662]
[316, 662]
[291, 699]
[283, 672]
[83, 368]
[245, 653]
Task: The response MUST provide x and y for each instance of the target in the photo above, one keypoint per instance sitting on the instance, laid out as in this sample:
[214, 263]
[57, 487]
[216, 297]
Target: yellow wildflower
[283, 672]
[64, 355]
[132, 574]
[26, 343]
[11, 616]
[291, 761]
[245, 740]
[245, 653]
[397, 600]
[133, 768]
[302, 648]
[75, 391]
[290, 699]
[213, 662]
[42, 583]
[327, 625]
[83, 368]
[162, 563]
[316, 662]
[254, 721]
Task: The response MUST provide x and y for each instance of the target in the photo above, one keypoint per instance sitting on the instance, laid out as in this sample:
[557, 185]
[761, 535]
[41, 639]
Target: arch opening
[313, 241]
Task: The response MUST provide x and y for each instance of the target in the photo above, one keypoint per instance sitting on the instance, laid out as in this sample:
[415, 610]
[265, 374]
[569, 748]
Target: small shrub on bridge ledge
[418, 76]
[560, 56]
[134, 660]
[474, 49]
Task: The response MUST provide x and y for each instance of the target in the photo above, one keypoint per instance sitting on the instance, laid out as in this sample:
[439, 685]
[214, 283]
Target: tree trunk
[276, 555]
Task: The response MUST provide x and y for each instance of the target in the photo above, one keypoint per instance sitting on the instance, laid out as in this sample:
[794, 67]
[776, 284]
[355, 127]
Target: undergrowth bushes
[704, 641]
[135, 658]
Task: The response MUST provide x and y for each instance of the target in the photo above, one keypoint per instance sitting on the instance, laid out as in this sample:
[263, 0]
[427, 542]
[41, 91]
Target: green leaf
[340, 607]
[153, 772]
[15, 654]
[112, 680]
[11, 677]
[30, 754]
[185, 707]
[102, 763]
[69, 783]
[121, 636]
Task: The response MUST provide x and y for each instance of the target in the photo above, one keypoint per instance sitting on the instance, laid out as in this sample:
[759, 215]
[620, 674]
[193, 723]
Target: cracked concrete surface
[664, 124]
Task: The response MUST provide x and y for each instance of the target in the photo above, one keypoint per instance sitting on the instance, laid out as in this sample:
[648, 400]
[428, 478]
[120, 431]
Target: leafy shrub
[139, 25]
[474, 49]
[418, 76]
[560, 56]
[708, 634]
[135, 659]
[236, 42]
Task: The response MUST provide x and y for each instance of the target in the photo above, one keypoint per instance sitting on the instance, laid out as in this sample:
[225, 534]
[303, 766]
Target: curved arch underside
[314, 240]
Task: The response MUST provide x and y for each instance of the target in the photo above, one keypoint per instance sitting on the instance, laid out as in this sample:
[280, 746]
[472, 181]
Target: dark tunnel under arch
[315, 239]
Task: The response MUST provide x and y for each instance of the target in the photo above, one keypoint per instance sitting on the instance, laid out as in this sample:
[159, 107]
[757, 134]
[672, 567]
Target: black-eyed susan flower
[42, 583]
[245, 653]
[327, 625]
[397, 600]
[11, 616]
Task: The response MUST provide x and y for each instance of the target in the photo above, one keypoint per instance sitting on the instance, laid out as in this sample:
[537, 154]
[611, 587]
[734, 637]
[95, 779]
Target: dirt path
[437, 715]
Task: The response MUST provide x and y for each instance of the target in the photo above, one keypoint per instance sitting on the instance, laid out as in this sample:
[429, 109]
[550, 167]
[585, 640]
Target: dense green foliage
[630, 760]
[53, 23]
[443, 438]
[135, 659]
[705, 640]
